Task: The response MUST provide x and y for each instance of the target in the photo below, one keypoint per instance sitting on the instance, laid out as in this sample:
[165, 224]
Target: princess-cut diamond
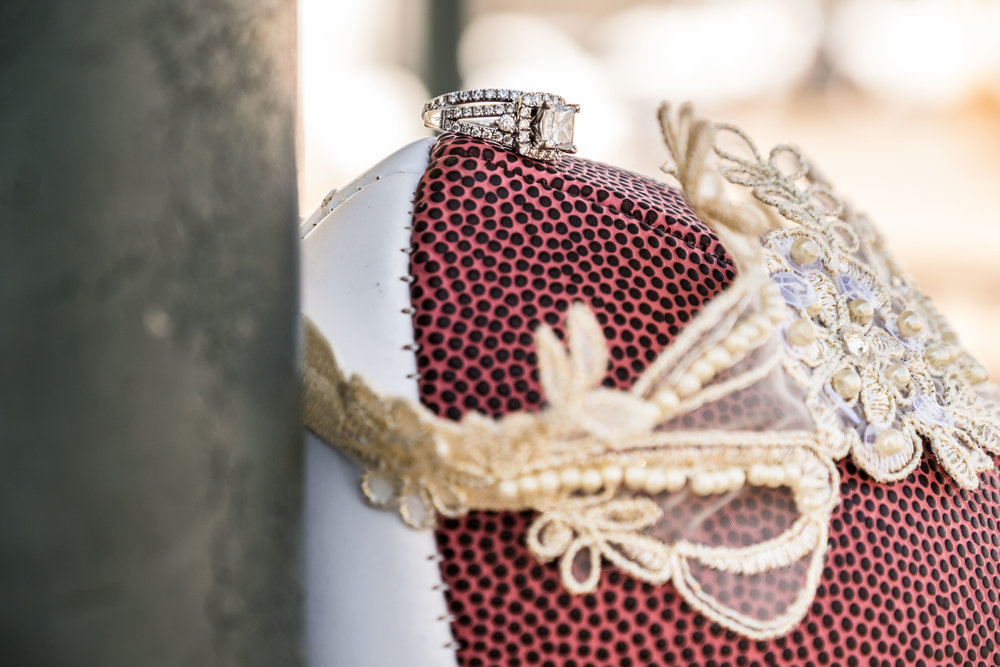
[554, 126]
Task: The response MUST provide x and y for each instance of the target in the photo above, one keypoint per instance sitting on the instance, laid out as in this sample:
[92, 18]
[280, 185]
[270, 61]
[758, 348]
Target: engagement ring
[536, 125]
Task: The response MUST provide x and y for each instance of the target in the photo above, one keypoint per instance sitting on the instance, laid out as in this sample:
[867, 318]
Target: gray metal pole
[150, 455]
[445, 21]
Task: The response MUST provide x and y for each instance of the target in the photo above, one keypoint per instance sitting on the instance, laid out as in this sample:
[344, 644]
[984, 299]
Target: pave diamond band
[536, 125]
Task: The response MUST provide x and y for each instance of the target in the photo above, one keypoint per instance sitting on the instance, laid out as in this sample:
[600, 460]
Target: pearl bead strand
[549, 482]
[744, 336]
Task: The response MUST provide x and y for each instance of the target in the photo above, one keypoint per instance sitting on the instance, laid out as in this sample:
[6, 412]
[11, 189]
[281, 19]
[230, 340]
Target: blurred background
[896, 101]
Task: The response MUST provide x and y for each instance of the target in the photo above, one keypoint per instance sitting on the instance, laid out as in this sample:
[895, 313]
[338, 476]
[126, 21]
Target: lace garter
[669, 480]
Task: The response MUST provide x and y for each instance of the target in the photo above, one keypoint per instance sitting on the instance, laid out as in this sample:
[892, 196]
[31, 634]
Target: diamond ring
[536, 125]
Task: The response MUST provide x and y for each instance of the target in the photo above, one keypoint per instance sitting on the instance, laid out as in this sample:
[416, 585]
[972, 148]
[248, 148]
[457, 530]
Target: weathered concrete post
[150, 455]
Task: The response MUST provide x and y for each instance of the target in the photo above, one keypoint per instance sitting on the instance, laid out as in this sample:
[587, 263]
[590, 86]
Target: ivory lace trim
[593, 462]
[615, 477]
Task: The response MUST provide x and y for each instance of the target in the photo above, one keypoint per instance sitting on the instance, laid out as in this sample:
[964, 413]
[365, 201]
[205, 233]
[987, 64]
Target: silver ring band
[536, 125]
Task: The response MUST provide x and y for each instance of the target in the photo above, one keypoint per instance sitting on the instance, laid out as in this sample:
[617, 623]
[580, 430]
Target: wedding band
[536, 125]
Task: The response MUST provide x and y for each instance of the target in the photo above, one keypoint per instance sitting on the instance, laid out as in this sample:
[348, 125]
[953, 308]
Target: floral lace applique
[883, 371]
